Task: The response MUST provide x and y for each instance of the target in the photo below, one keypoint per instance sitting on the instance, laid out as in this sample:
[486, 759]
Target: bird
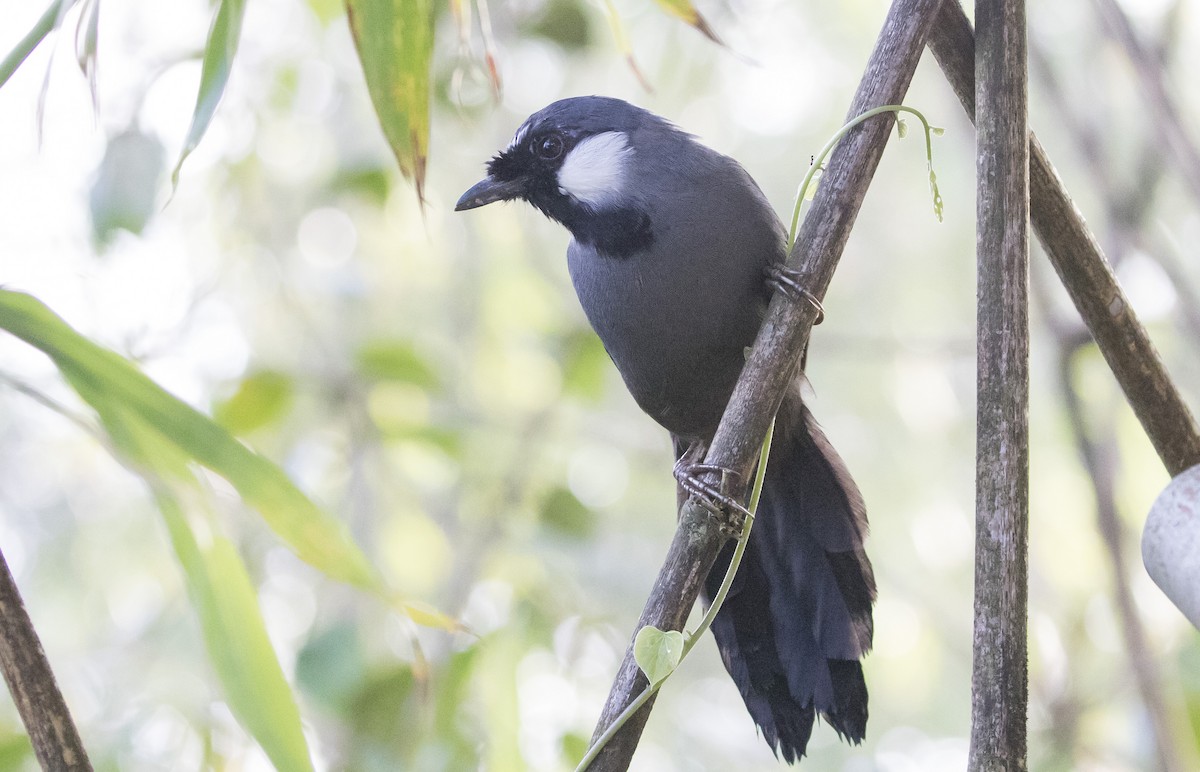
[670, 250]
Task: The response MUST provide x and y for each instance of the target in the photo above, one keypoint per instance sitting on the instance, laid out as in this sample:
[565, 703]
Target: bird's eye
[548, 147]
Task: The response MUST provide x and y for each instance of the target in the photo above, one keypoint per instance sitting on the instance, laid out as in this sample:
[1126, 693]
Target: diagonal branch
[1083, 270]
[773, 360]
[31, 682]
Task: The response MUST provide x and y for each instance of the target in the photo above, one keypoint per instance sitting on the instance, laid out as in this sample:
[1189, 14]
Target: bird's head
[575, 161]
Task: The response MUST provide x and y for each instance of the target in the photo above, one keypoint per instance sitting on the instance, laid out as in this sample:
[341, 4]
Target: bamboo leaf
[427, 616]
[87, 42]
[48, 22]
[118, 391]
[686, 11]
[262, 398]
[396, 360]
[214, 74]
[622, 40]
[237, 641]
[395, 44]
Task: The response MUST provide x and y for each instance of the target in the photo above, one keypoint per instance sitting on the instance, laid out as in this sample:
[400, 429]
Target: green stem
[829, 146]
[709, 616]
[41, 28]
[616, 725]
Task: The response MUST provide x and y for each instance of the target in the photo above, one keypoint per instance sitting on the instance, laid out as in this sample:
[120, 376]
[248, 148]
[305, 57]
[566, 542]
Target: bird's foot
[790, 282]
[691, 477]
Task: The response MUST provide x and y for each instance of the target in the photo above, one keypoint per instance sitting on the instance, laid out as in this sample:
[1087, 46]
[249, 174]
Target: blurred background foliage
[430, 380]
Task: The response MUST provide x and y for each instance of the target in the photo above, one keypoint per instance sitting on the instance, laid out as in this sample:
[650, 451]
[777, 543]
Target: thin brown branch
[999, 679]
[1126, 204]
[1169, 254]
[773, 359]
[1083, 270]
[31, 683]
[1097, 456]
[1167, 121]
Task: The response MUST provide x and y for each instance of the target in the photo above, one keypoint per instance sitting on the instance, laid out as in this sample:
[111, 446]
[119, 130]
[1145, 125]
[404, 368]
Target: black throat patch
[617, 232]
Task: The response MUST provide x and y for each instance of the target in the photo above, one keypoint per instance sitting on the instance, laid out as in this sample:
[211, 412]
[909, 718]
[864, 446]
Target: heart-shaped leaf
[657, 653]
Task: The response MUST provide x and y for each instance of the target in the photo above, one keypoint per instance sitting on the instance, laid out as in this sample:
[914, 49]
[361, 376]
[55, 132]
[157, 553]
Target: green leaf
[326, 11]
[566, 514]
[387, 709]
[686, 11]
[16, 751]
[261, 399]
[427, 616]
[566, 23]
[573, 745]
[214, 73]
[237, 641]
[123, 195]
[455, 683]
[155, 427]
[48, 22]
[657, 653]
[395, 44]
[394, 360]
[370, 182]
[811, 191]
[87, 39]
[331, 667]
[622, 40]
[1188, 668]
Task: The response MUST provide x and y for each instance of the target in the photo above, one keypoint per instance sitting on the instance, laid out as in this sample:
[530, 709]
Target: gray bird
[672, 243]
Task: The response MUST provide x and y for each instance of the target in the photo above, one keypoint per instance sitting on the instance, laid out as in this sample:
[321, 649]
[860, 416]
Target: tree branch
[1167, 123]
[1097, 457]
[1083, 270]
[773, 359]
[31, 682]
[999, 680]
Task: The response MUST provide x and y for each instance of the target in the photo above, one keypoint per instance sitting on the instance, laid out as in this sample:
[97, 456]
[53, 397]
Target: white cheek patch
[594, 171]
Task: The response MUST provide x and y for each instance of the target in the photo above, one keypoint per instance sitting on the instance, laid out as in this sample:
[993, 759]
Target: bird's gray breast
[677, 316]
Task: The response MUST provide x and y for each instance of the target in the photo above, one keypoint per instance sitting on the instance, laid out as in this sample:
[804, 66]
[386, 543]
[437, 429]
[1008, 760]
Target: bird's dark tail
[798, 617]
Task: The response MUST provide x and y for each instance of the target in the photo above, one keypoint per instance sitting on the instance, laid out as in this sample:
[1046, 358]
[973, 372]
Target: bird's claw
[690, 476]
[790, 282]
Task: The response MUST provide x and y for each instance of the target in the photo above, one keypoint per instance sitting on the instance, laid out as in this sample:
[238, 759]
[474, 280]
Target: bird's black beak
[489, 190]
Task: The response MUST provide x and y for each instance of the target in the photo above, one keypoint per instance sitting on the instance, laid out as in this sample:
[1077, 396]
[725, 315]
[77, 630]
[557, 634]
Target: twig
[1167, 121]
[999, 678]
[1083, 270]
[1171, 257]
[31, 682]
[772, 361]
[1097, 459]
